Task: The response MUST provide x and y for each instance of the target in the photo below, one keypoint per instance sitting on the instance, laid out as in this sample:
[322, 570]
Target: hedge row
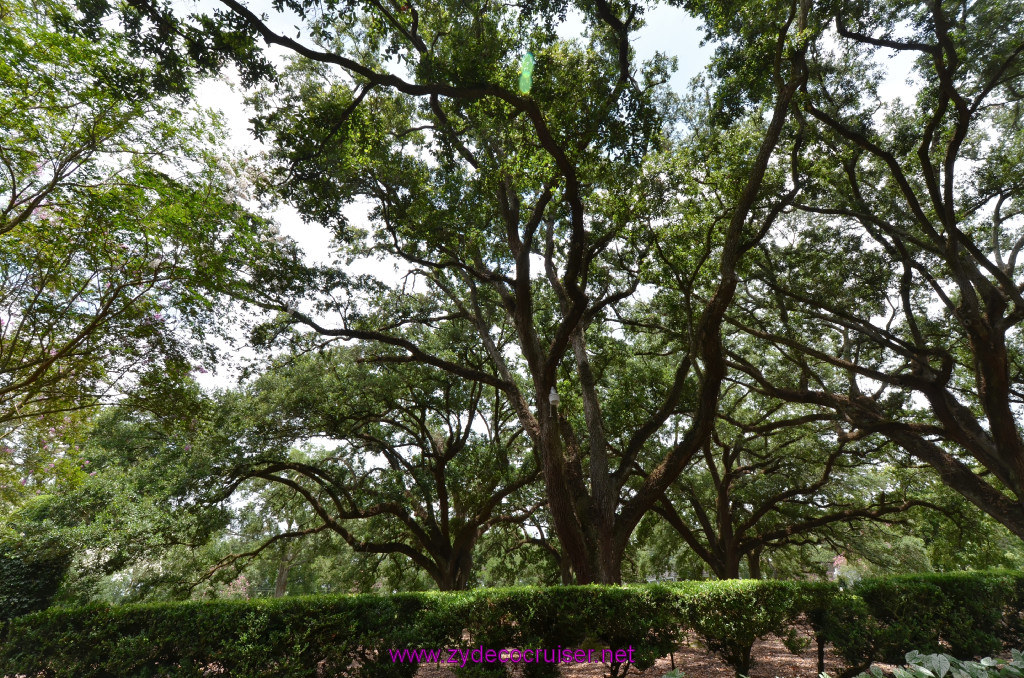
[972, 614]
[966, 614]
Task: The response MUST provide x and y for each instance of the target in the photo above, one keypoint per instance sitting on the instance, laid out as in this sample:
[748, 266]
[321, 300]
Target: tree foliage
[892, 292]
[119, 223]
[743, 309]
[525, 220]
[423, 467]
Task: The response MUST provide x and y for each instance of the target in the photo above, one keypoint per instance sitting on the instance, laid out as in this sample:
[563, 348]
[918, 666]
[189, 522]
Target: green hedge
[878, 619]
[967, 614]
[755, 610]
[285, 637]
[648, 618]
[28, 581]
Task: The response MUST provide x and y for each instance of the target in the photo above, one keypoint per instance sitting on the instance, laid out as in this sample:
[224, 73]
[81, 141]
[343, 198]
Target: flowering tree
[116, 216]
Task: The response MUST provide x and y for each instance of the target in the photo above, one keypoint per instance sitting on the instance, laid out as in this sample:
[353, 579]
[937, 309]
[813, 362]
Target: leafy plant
[942, 665]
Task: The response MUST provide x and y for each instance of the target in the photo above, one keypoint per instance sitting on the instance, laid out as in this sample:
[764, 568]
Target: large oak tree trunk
[754, 564]
[281, 583]
[453, 571]
[731, 565]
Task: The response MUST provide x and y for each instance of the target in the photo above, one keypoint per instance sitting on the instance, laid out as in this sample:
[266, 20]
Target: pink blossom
[837, 562]
[86, 461]
[24, 481]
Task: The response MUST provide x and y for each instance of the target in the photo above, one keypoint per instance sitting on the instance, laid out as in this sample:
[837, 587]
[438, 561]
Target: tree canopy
[768, 311]
[893, 294]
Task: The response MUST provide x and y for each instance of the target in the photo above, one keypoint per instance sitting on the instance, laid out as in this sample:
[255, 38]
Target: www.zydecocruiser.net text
[460, 656]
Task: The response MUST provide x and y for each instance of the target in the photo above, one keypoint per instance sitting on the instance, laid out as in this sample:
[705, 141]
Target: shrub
[846, 622]
[908, 611]
[731, 615]
[974, 615]
[522, 617]
[814, 599]
[878, 619]
[647, 618]
[344, 636]
[28, 581]
[881, 619]
[650, 619]
[1011, 628]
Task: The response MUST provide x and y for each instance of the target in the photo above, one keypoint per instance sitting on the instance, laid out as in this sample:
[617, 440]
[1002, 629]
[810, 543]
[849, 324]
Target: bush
[28, 581]
[977, 603]
[342, 636]
[523, 617]
[847, 623]
[879, 619]
[650, 619]
[908, 613]
[731, 615]
[646, 618]
[1011, 628]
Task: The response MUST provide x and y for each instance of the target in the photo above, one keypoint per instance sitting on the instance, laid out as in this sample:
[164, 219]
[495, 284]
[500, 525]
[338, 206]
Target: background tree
[119, 507]
[772, 477]
[319, 563]
[423, 468]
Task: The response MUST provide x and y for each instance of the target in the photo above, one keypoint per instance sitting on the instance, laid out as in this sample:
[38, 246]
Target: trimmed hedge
[878, 619]
[756, 609]
[284, 637]
[648, 618]
[967, 614]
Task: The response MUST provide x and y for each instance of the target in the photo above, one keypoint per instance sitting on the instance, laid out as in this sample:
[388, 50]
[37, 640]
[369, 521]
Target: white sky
[669, 30]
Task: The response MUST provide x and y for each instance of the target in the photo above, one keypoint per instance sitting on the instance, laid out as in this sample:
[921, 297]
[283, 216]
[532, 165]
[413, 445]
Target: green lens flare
[526, 73]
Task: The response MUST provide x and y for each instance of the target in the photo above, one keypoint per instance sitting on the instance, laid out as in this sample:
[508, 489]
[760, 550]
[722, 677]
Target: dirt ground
[771, 660]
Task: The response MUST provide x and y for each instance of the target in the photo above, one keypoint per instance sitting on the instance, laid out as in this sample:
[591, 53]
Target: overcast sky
[669, 30]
